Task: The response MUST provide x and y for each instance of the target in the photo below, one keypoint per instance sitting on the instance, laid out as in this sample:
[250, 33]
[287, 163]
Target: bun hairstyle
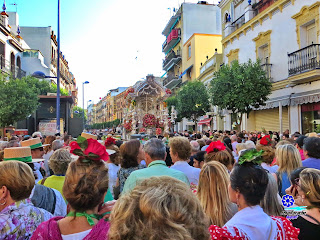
[249, 178]
[85, 184]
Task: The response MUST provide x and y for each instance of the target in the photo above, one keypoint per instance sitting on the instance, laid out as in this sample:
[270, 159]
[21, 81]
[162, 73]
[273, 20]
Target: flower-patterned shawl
[18, 221]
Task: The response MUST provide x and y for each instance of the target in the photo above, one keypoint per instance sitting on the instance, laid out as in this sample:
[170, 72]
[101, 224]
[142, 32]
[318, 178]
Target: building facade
[192, 35]
[284, 34]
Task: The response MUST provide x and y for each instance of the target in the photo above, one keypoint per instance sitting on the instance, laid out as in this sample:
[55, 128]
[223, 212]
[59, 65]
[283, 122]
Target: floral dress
[124, 173]
[18, 221]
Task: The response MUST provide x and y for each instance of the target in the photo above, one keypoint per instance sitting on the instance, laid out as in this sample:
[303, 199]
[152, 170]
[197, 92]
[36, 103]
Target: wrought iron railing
[267, 68]
[6, 67]
[169, 79]
[170, 56]
[305, 59]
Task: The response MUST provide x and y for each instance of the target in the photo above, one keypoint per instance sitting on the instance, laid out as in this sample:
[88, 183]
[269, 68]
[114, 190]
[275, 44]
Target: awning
[185, 71]
[205, 121]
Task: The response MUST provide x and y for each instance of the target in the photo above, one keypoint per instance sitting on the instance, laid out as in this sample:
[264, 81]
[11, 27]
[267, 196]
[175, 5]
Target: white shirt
[76, 236]
[113, 170]
[46, 158]
[272, 169]
[191, 172]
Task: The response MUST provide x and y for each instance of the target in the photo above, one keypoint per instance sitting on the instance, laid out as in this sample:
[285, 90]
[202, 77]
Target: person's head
[309, 187]
[115, 157]
[311, 147]
[222, 156]
[288, 158]
[85, 184]
[57, 144]
[240, 146]
[268, 153]
[49, 140]
[36, 146]
[299, 141]
[159, 208]
[248, 183]
[13, 143]
[131, 153]
[16, 182]
[234, 138]
[37, 135]
[250, 144]
[180, 149]
[67, 139]
[195, 147]
[270, 203]
[213, 192]
[154, 150]
[201, 142]
[198, 159]
[59, 161]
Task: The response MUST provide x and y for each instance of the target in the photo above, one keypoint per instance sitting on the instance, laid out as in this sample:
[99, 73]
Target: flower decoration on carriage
[158, 131]
[149, 120]
[168, 91]
[142, 130]
[159, 123]
[128, 125]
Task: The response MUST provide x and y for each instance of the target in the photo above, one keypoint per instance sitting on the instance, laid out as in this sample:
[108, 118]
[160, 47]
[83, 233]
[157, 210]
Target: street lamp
[86, 82]
[41, 75]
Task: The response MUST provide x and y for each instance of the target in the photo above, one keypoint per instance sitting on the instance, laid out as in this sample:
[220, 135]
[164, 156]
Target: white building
[284, 34]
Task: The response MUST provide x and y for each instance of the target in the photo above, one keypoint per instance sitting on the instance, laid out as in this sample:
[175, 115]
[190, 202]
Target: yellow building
[190, 40]
[284, 34]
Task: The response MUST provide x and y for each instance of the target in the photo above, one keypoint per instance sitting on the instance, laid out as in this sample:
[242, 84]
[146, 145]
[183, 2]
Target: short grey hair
[155, 149]
[195, 146]
[56, 144]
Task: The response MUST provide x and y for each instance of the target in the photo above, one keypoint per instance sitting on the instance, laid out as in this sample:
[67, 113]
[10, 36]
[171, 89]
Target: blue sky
[110, 43]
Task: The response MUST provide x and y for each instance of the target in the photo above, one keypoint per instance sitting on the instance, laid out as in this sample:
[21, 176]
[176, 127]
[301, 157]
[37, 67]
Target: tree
[18, 99]
[193, 100]
[240, 88]
[78, 111]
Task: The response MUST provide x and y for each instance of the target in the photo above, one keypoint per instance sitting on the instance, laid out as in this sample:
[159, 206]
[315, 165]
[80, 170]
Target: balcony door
[2, 54]
[311, 34]
[13, 63]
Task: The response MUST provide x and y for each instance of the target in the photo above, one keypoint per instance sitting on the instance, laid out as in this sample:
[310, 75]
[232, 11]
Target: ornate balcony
[304, 64]
[172, 39]
[266, 66]
[171, 81]
[6, 67]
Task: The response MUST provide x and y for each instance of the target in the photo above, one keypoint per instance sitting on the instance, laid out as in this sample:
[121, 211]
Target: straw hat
[33, 143]
[88, 135]
[22, 154]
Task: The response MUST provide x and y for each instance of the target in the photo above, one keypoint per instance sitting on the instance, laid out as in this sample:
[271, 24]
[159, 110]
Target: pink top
[302, 155]
[49, 230]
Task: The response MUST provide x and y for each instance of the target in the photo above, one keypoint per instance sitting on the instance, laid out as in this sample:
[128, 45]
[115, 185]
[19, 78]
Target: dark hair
[312, 146]
[66, 138]
[300, 140]
[199, 156]
[251, 181]
[119, 143]
[129, 153]
[295, 174]
[227, 141]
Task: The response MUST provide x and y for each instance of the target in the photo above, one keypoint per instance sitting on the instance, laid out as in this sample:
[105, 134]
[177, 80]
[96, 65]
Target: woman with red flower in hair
[217, 151]
[85, 187]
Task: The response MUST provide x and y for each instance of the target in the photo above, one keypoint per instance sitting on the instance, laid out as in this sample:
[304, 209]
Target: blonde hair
[310, 185]
[268, 153]
[158, 208]
[270, 202]
[181, 146]
[59, 161]
[241, 146]
[288, 158]
[18, 178]
[85, 184]
[224, 157]
[213, 192]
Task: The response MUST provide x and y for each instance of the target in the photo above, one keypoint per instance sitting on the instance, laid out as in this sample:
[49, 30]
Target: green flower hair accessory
[251, 155]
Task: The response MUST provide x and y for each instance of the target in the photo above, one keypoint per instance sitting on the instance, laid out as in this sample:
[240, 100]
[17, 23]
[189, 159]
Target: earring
[238, 202]
[4, 203]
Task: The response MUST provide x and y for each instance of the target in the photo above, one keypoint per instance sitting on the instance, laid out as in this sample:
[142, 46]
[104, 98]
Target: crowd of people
[187, 186]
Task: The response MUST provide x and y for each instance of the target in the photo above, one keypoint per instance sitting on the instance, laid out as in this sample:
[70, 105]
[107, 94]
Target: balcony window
[189, 51]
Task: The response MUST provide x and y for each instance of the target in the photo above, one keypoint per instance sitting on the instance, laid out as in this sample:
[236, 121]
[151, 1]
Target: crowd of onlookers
[210, 185]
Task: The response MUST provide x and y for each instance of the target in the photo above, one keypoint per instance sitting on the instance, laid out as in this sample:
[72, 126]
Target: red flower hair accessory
[109, 141]
[89, 150]
[266, 140]
[215, 147]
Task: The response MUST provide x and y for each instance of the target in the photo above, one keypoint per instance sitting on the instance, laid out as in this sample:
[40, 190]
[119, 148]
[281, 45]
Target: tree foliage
[104, 125]
[53, 89]
[171, 101]
[18, 99]
[240, 87]
[193, 100]
[77, 112]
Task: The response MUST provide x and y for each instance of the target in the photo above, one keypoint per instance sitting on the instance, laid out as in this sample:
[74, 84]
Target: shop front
[310, 114]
